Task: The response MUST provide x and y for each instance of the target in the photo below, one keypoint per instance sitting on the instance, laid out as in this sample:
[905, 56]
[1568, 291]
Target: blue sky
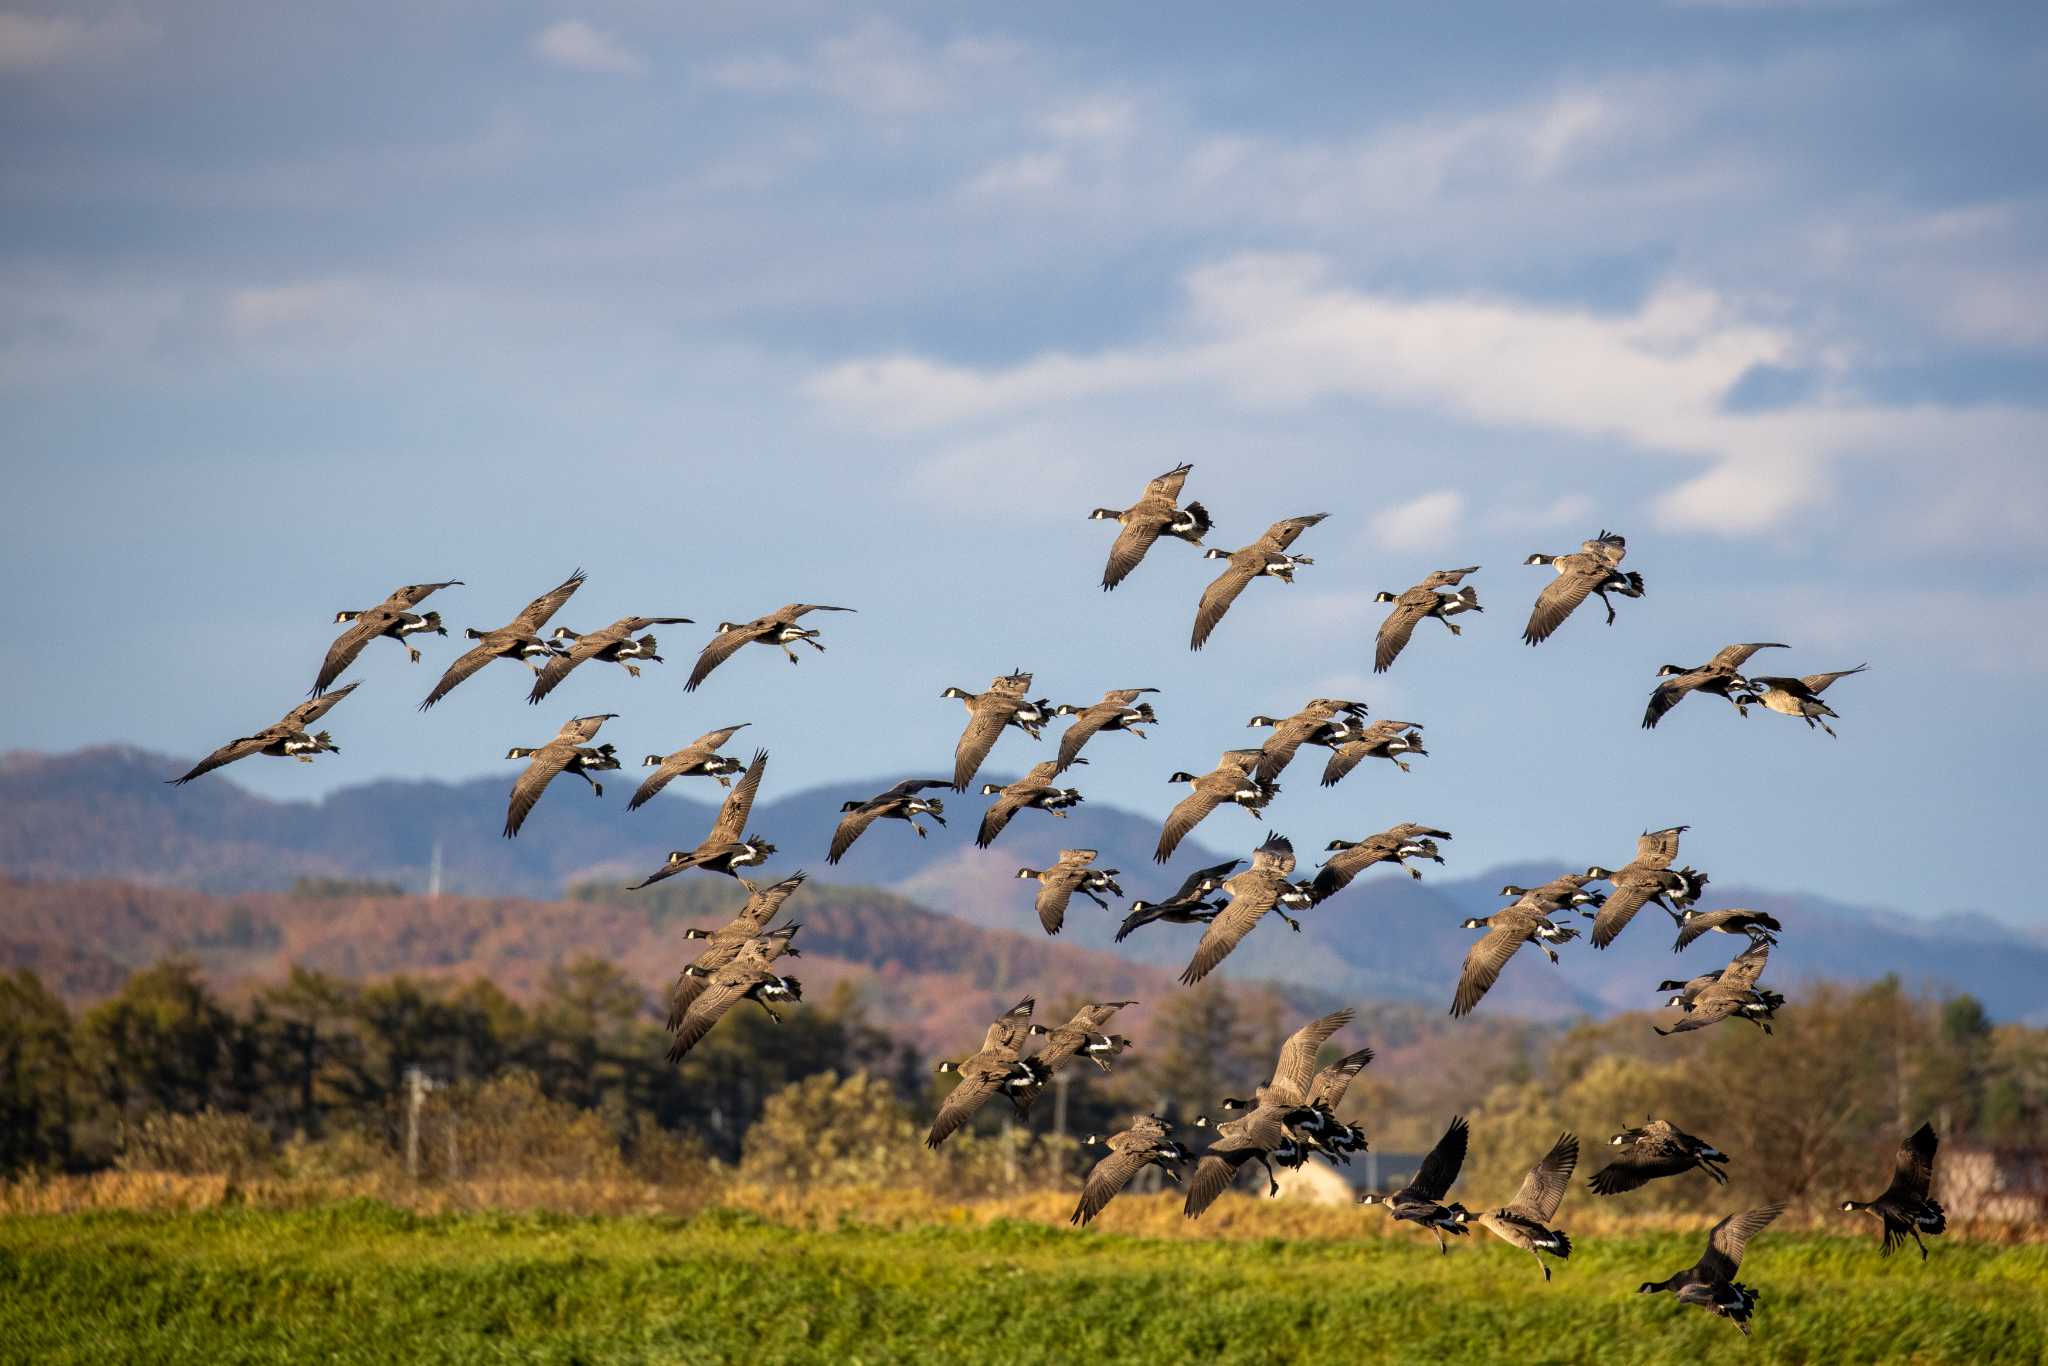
[794, 301]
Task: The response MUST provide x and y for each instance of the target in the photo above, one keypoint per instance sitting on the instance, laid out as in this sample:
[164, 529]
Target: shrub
[206, 1144]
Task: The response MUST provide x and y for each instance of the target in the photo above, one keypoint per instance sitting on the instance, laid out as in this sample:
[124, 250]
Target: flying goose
[723, 851]
[1415, 606]
[1800, 697]
[1381, 740]
[997, 1066]
[1264, 1135]
[900, 803]
[1321, 1131]
[1764, 1004]
[517, 639]
[1186, 906]
[748, 977]
[1260, 888]
[1524, 1221]
[1352, 857]
[390, 619]
[1421, 1200]
[778, 628]
[1595, 570]
[1082, 1037]
[1145, 521]
[1718, 677]
[1118, 710]
[1760, 926]
[1562, 893]
[1232, 781]
[1710, 1282]
[1906, 1209]
[722, 945]
[987, 714]
[1732, 993]
[1659, 1148]
[563, 754]
[699, 758]
[1266, 556]
[1033, 791]
[1326, 721]
[1144, 1144]
[616, 644]
[1639, 882]
[1071, 874]
[287, 738]
[1506, 930]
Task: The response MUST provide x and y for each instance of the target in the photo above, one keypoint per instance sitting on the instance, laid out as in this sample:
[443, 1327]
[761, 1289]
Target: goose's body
[1710, 1282]
[1325, 721]
[1524, 1221]
[286, 738]
[1265, 1134]
[998, 1066]
[724, 850]
[1266, 557]
[1145, 521]
[1593, 571]
[1718, 677]
[1908, 1208]
[1800, 697]
[1506, 931]
[1145, 1144]
[748, 977]
[1659, 1148]
[1082, 1036]
[1035, 791]
[988, 714]
[1232, 782]
[1733, 993]
[722, 945]
[616, 644]
[1119, 709]
[391, 619]
[1396, 845]
[1421, 1200]
[902, 802]
[566, 753]
[779, 629]
[517, 639]
[1760, 926]
[699, 758]
[1258, 889]
[1416, 605]
[1057, 885]
[1386, 739]
[1187, 906]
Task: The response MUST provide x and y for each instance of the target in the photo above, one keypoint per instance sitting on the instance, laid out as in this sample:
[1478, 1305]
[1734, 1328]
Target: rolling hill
[104, 814]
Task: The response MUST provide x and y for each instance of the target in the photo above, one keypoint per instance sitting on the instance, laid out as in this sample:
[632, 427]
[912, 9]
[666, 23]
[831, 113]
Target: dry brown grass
[1237, 1216]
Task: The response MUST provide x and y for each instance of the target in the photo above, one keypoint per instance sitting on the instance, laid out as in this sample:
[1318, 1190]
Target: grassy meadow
[366, 1281]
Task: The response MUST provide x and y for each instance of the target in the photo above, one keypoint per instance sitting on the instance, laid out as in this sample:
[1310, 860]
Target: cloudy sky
[738, 305]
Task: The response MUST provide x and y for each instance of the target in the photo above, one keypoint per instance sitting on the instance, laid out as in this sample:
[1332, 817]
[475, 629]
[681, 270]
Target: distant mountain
[105, 813]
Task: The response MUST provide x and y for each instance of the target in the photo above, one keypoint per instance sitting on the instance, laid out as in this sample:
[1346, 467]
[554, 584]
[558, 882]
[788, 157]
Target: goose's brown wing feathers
[722, 647]
[1238, 571]
[1544, 1187]
[547, 761]
[1189, 812]
[472, 659]
[1297, 1065]
[1440, 1169]
[226, 754]
[1725, 1244]
[731, 824]
[727, 987]
[1224, 933]
[1730, 657]
[313, 708]
[984, 728]
[1107, 1178]
[1913, 1172]
[1621, 906]
[1395, 631]
[350, 643]
[1561, 596]
[851, 827]
[1484, 961]
[536, 613]
[1137, 536]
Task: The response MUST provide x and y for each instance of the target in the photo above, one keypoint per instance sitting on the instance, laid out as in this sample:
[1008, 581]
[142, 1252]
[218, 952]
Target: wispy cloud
[580, 47]
[879, 67]
[32, 41]
[1420, 523]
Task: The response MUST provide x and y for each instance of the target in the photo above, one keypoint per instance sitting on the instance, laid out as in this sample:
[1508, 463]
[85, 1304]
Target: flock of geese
[1292, 1117]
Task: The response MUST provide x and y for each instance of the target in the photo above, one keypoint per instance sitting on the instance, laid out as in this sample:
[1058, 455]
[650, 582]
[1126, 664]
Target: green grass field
[365, 1282]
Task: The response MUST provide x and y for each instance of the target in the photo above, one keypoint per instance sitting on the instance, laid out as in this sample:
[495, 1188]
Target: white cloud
[1420, 523]
[31, 41]
[1095, 118]
[1567, 509]
[1028, 174]
[879, 67]
[580, 47]
[1275, 332]
[299, 307]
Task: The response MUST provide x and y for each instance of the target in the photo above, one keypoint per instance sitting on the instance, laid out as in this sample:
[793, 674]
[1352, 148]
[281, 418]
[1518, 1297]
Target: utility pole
[1059, 1102]
[434, 873]
[417, 1084]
